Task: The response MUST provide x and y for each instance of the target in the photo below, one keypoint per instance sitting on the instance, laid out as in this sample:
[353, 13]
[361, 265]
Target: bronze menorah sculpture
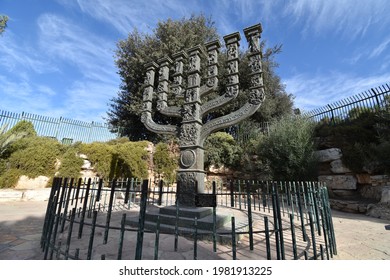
[192, 132]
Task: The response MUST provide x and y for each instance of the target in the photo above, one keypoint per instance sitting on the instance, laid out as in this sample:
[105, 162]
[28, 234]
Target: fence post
[160, 192]
[141, 224]
[231, 193]
[376, 98]
[331, 111]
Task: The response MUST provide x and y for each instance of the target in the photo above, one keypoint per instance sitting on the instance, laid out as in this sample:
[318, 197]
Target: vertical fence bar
[231, 193]
[92, 235]
[234, 244]
[157, 240]
[325, 231]
[121, 236]
[195, 238]
[214, 221]
[250, 225]
[301, 214]
[313, 235]
[58, 216]
[108, 219]
[276, 223]
[239, 194]
[293, 237]
[52, 216]
[280, 224]
[267, 239]
[142, 211]
[69, 239]
[84, 209]
[160, 192]
[68, 196]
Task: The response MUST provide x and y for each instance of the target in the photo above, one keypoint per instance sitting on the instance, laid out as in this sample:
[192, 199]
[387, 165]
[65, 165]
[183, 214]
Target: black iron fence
[127, 219]
[65, 130]
[373, 100]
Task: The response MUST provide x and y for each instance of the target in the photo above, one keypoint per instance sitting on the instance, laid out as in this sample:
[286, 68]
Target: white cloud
[125, 15]
[314, 91]
[87, 100]
[21, 59]
[380, 48]
[92, 55]
[348, 17]
[20, 95]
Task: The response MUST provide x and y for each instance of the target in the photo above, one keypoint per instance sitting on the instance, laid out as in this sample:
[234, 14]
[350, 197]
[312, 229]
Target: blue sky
[57, 56]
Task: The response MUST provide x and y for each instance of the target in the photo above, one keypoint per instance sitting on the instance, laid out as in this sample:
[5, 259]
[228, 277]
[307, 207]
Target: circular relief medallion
[187, 158]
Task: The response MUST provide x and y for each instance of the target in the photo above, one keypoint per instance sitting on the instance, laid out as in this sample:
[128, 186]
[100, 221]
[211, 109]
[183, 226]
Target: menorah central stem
[192, 132]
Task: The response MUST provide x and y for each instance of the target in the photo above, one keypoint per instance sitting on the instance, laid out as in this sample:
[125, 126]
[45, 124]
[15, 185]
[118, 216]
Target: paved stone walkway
[358, 237]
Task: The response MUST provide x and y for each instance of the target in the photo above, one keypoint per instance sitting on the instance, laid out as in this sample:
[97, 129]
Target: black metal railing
[373, 100]
[90, 219]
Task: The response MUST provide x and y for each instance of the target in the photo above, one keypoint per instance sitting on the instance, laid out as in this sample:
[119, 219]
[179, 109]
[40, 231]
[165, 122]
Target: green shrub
[221, 150]
[71, 162]
[165, 162]
[8, 139]
[131, 160]
[289, 149]
[118, 158]
[36, 156]
[364, 140]
[101, 157]
[10, 178]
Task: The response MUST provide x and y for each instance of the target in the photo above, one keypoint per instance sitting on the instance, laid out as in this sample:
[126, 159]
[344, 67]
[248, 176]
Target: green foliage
[118, 158]
[36, 156]
[165, 162]
[289, 149]
[25, 127]
[9, 138]
[10, 178]
[101, 157]
[168, 38]
[70, 162]
[364, 140]
[131, 160]
[221, 150]
[3, 23]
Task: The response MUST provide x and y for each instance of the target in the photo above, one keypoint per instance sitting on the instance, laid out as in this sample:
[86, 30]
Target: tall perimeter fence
[65, 130]
[130, 219]
[373, 100]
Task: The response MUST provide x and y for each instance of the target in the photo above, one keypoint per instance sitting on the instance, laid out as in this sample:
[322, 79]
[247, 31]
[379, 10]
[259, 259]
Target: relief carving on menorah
[192, 131]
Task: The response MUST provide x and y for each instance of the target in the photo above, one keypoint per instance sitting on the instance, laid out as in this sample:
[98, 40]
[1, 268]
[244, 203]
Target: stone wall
[363, 193]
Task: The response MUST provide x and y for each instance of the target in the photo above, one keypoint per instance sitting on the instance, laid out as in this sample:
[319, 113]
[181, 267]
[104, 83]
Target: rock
[385, 197]
[220, 170]
[338, 167]
[87, 165]
[363, 179]
[349, 206]
[379, 210]
[328, 155]
[339, 182]
[37, 195]
[25, 182]
[10, 195]
[88, 173]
